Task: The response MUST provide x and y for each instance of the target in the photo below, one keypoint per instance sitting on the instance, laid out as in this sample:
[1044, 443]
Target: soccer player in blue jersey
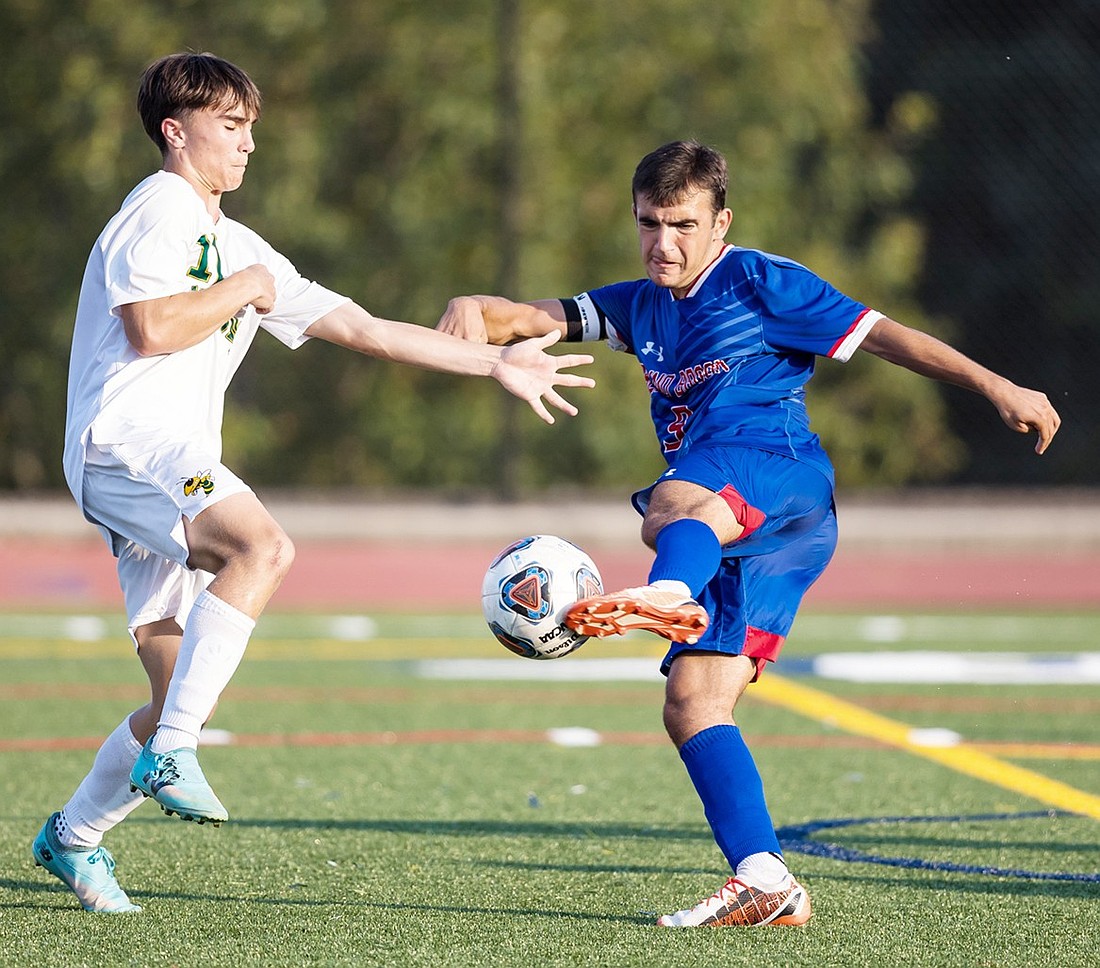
[742, 521]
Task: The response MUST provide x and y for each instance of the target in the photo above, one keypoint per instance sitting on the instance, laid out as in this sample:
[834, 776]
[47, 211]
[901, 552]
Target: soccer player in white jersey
[742, 521]
[173, 295]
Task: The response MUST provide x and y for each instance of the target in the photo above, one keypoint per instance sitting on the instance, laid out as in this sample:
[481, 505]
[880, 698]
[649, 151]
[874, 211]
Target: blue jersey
[728, 363]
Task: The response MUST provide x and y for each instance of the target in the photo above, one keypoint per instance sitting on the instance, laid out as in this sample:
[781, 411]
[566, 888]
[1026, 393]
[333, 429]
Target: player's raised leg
[687, 525]
[158, 775]
[249, 554]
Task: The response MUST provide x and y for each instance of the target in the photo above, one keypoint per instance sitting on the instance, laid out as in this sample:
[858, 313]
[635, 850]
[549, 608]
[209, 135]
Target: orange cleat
[672, 616]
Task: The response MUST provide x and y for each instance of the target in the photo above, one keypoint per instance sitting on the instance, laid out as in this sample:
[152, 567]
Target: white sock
[766, 871]
[103, 798]
[214, 641]
[672, 585]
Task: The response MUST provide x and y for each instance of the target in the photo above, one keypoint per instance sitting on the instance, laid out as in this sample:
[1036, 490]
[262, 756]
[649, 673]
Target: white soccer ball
[528, 589]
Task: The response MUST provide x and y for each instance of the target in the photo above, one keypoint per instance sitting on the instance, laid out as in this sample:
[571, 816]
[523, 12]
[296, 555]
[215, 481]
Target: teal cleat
[88, 872]
[176, 781]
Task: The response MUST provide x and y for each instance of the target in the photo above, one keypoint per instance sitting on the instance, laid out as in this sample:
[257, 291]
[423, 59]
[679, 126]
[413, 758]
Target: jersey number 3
[676, 429]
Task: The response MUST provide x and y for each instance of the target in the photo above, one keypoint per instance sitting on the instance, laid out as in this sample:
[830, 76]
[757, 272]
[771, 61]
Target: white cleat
[738, 905]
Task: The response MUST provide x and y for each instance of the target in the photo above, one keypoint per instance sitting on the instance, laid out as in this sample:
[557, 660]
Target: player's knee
[672, 716]
[278, 552]
[265, 552]
[681, 717]
[650, 529]
[689, 711]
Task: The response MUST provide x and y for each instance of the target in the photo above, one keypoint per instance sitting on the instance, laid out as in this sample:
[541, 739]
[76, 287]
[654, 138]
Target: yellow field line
[1039, 751]
[963, 758]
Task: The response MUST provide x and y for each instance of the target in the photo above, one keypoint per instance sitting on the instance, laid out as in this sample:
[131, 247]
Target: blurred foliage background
[936, 160]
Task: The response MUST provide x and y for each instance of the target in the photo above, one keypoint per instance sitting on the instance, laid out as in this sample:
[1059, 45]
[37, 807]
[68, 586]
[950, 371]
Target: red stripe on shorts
[762, 647]
[747, 516]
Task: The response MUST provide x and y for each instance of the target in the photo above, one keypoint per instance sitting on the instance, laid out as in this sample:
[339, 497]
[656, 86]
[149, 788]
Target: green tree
[379, 172]
[776, 85]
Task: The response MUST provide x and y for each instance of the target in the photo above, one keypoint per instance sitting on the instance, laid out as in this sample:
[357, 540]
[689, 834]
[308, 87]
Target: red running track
[63, 574]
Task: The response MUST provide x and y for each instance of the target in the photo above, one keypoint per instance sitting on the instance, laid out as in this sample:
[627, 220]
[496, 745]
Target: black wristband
[574, 332]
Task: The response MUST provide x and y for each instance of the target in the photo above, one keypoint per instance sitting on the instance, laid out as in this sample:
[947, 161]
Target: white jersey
[163, 242]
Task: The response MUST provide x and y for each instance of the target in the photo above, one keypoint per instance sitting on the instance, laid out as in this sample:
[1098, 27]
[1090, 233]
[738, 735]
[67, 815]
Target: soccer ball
[528, 589]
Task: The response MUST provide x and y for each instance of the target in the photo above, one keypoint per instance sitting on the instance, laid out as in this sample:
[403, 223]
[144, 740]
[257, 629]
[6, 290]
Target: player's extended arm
[171, 323]
[496, 320]
[1020, 408]
[523, 370]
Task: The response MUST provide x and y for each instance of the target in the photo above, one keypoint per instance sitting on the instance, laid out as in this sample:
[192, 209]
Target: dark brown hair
[676, 169]
[186, 82]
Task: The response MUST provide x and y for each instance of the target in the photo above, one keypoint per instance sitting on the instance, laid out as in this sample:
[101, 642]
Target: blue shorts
[787, 510]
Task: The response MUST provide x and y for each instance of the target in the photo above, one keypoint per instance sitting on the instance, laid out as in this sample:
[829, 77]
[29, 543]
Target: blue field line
[798, 838]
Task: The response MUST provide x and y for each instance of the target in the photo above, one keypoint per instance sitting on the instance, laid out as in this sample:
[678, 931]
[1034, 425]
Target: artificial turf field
[394, 802]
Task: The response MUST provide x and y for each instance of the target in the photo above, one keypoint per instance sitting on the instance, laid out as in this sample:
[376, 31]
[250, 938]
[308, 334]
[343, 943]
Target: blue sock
[727, 781]
[687, 551]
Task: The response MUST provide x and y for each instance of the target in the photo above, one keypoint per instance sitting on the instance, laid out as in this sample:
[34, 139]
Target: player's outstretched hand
[529, 373]
[1025, 410]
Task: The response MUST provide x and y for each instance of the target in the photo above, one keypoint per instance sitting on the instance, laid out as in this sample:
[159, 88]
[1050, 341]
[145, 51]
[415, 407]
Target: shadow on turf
[33, 887]
[878, 838]
[964, 884]
[521, 865]
[30, 887]
[55, 888]
[962, 880]
[488, 828]
[960, 884]
[646, 919]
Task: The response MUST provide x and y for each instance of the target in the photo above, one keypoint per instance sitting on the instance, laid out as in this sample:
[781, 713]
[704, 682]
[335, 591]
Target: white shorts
[139, 498]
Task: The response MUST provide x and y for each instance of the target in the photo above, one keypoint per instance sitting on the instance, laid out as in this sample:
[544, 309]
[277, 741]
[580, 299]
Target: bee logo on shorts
[201, 481]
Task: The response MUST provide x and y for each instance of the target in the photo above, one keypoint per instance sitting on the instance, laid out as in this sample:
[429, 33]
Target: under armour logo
[651, 349]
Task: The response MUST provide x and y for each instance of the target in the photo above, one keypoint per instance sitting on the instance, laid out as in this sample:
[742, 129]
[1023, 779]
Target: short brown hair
[186, 82]
[676, 169]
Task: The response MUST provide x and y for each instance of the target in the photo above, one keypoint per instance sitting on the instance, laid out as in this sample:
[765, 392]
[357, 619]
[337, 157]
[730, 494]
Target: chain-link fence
[1008, 188]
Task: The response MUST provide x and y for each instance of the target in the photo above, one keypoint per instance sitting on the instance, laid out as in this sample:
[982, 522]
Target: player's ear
[172, 131]
[722, 222]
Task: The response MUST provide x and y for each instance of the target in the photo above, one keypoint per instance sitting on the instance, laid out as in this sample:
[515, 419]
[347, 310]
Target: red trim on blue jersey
[702, 275]
[747, 516]
[851, 329]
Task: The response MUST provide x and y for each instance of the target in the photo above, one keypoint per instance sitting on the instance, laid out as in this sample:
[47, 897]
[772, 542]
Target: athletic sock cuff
[707, 738]
[688, 550]
[210, 602]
